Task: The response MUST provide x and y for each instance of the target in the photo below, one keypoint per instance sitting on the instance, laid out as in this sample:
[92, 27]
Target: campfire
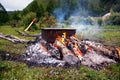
[61, 47]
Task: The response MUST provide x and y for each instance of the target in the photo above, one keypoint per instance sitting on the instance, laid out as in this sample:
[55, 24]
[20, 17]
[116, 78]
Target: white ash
[70, 59]
[95, 60]
[36, 54]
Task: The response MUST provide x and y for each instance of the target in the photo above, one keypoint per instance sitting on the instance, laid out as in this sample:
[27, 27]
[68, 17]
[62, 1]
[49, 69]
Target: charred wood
[95, 60]
[68, 56]
[54, 51]
[105, 50]
[80, 45]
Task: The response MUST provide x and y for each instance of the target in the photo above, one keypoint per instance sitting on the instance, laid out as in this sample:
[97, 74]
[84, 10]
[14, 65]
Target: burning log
[77, 52]
[77, 47]
[68, 56]
[78, 43]
[96, 61]
[103, 49]
[53, 51]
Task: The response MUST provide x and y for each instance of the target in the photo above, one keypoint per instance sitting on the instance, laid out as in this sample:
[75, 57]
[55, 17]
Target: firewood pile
[70, 52]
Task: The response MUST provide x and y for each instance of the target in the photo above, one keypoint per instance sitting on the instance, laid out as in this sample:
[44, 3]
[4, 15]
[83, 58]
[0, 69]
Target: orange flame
[62, 38]
[76, 45]
[77, 50]
[75, 35]
[64, 34]
[118, 49]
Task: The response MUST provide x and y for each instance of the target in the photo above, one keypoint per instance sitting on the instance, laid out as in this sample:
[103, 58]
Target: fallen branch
[26, 34]
[13, 38]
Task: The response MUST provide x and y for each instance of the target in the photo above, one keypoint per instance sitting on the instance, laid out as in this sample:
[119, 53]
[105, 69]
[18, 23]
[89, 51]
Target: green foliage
[90, 20]
[52, 4]
[47, 21]
[107, 5]
[100, 22]
[94, 8]
[3, 15]
[26, 20]
[116, 6]
[34, 7]
[15, 15]
[114, 19]
[14, 18]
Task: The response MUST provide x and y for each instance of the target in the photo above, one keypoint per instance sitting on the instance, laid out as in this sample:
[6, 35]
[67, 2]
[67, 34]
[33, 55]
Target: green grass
[12, 48]
[9, 46]
[110, 37]
[19, 71]
[112, 27]
[10, 70]
[6, 29]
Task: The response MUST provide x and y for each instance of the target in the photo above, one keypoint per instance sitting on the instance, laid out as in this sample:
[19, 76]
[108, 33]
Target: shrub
[90, 20]
[100, 22]
[27, 18]
[47, 21]
[13, 23]
[114, 19]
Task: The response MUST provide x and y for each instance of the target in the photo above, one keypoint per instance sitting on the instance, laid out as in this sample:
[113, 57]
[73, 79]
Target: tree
[52, 4]
[14, 18]
[114, 19]
[15, 15]
[107, 5]
[3, 14]
[47, 21]
[34, 7]
[27, 18]
[116, 6]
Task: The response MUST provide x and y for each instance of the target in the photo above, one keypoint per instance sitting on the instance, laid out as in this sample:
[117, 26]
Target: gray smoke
[77, 17]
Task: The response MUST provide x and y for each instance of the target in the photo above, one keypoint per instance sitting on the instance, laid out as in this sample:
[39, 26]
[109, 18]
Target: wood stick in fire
[68, 56]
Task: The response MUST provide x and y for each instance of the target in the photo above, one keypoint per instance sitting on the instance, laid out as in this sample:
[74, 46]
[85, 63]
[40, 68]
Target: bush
[90, 20]
[13, 23]
[27, 18]
[100, 22]
[47, 21]
[114, 19]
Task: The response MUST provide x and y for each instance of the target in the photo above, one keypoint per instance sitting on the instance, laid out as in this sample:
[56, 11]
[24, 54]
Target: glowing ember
[76, 50]
[62, 38]
[118, 49]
